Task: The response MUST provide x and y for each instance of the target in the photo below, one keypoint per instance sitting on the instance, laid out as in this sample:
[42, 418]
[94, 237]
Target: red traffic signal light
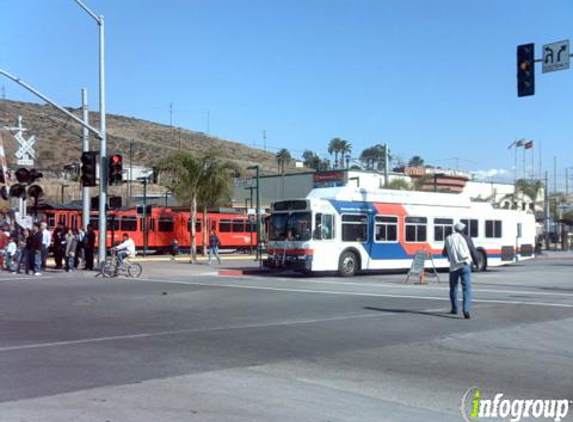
[115, 170]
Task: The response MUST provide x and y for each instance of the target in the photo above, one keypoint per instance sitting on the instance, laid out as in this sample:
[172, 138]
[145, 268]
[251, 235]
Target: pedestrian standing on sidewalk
[80, 238]
[89, 247]
[46, 241]
[214, 243]
[71, 245]
[174, 249]
[460, 251]
[37, 243]
[25, 247]
[58, 237]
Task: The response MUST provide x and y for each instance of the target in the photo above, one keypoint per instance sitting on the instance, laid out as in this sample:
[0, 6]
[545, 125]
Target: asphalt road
[185, 344]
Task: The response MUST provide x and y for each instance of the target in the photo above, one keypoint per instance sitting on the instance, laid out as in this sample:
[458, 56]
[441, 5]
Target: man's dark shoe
[466, 315]
[453, 312]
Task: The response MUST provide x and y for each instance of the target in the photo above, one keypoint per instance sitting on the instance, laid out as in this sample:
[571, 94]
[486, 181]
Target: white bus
[350, 230]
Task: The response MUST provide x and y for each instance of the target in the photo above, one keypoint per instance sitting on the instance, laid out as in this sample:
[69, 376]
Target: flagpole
[532, 163]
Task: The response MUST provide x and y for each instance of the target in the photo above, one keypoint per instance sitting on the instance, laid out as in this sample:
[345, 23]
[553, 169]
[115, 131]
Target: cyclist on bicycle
[126, 248]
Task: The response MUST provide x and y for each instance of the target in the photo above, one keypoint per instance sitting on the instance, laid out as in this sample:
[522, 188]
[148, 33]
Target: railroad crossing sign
[556, 56]
[26, 153]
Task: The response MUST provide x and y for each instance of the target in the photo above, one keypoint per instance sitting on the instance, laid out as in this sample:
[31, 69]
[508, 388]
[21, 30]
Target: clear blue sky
[430, 77]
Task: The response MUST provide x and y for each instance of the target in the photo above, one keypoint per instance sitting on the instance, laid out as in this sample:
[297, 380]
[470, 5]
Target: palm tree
[215, 189]
[283, 158]
[334, 148]
[307, 157]
[345, 149]
[182, 174]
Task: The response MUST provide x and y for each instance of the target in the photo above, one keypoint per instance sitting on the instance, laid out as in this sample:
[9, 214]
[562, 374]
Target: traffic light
[34, 175]
[23, 175]
[115, 202]
[18, 191]
[35, 191]
[115, 172]
[88, 169]
[4, 194]
[525, 70]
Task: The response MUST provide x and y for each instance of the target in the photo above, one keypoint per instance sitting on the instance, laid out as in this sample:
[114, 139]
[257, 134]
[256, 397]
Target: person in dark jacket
[25, 247]
[57, 241]
[37, 243]
[214, 243]
[89, 247]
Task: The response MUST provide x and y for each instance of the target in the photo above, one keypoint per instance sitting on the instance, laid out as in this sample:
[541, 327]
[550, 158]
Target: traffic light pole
[86, 194]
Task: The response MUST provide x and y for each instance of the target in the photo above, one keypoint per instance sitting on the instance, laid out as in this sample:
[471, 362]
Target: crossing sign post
[555, 56]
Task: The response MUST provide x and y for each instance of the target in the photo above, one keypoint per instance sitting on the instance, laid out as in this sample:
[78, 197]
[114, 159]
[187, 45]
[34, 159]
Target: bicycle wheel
[134, 270]
[108, 269]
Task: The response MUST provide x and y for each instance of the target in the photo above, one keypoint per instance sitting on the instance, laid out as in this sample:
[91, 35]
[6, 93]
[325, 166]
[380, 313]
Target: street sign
[556, 56]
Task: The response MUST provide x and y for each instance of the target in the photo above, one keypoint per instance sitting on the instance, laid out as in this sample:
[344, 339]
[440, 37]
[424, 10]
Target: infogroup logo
[475, 407]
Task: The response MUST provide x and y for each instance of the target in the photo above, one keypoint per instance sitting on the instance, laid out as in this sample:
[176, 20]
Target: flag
[528, 144]
[520, 142]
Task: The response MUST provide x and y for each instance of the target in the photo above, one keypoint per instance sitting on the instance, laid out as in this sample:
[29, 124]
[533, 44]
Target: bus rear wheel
[348, 264]
[482, 261]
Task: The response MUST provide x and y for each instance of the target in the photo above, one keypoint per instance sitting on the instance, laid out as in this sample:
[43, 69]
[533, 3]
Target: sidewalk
[551, 254]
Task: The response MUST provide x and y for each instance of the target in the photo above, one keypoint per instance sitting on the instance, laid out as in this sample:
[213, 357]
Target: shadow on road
[407, 311]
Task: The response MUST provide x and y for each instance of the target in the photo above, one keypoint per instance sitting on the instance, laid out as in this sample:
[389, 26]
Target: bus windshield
[290, 226]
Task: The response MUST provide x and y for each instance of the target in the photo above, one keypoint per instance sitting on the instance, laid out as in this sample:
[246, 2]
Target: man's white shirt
[128, 245]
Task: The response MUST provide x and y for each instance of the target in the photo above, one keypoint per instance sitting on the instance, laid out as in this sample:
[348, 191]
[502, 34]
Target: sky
[434, 78]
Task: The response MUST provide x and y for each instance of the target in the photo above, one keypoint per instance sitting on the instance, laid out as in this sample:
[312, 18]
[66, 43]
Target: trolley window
[94, 223]
[63, 220]
[165, 225]
[128, 224]
[112, 224]
[443, 227]
[239, 226]
[386, 228]
[354, 228]
[51, 220]
[493, 228]
[198, 225]
[324, 227]
[151, 224]
[225, 226]
[416, 229]
[472, 227]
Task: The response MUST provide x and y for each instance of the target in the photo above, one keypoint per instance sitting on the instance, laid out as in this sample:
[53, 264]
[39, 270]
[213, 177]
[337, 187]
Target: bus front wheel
[348, 264]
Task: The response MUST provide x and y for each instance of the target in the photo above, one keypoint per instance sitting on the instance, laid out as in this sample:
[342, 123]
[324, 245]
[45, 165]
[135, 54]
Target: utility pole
[130, 180]
[546, 211]
[257, 167]
[265, 140]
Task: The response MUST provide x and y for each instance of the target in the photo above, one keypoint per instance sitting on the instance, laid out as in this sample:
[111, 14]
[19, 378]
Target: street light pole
[102, 134]
[258, 211]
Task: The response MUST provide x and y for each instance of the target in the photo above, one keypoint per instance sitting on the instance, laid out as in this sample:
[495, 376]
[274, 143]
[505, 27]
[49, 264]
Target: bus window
[225, 226]
[128, 224]
[416, 229]
[324, 227]
[386, 229]
[239, 226]
[493, 228]
[472, 227]
[165, 225]
[354, 228]
[442, 228]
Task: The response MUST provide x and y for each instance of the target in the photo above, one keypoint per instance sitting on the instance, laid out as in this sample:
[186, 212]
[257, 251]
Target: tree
[182, 173]
[345, 148]
[416, 161]
[215, 189]
[399, 184]
[334, 148]
[283, 158]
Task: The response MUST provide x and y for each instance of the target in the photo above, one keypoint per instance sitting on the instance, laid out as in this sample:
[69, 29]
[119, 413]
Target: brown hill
[58, 139]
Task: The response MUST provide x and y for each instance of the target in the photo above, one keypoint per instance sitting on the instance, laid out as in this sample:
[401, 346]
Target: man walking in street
[460, 251]
[214, 243]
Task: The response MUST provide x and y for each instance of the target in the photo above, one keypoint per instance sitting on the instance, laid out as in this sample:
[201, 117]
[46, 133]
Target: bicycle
[112, 268]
